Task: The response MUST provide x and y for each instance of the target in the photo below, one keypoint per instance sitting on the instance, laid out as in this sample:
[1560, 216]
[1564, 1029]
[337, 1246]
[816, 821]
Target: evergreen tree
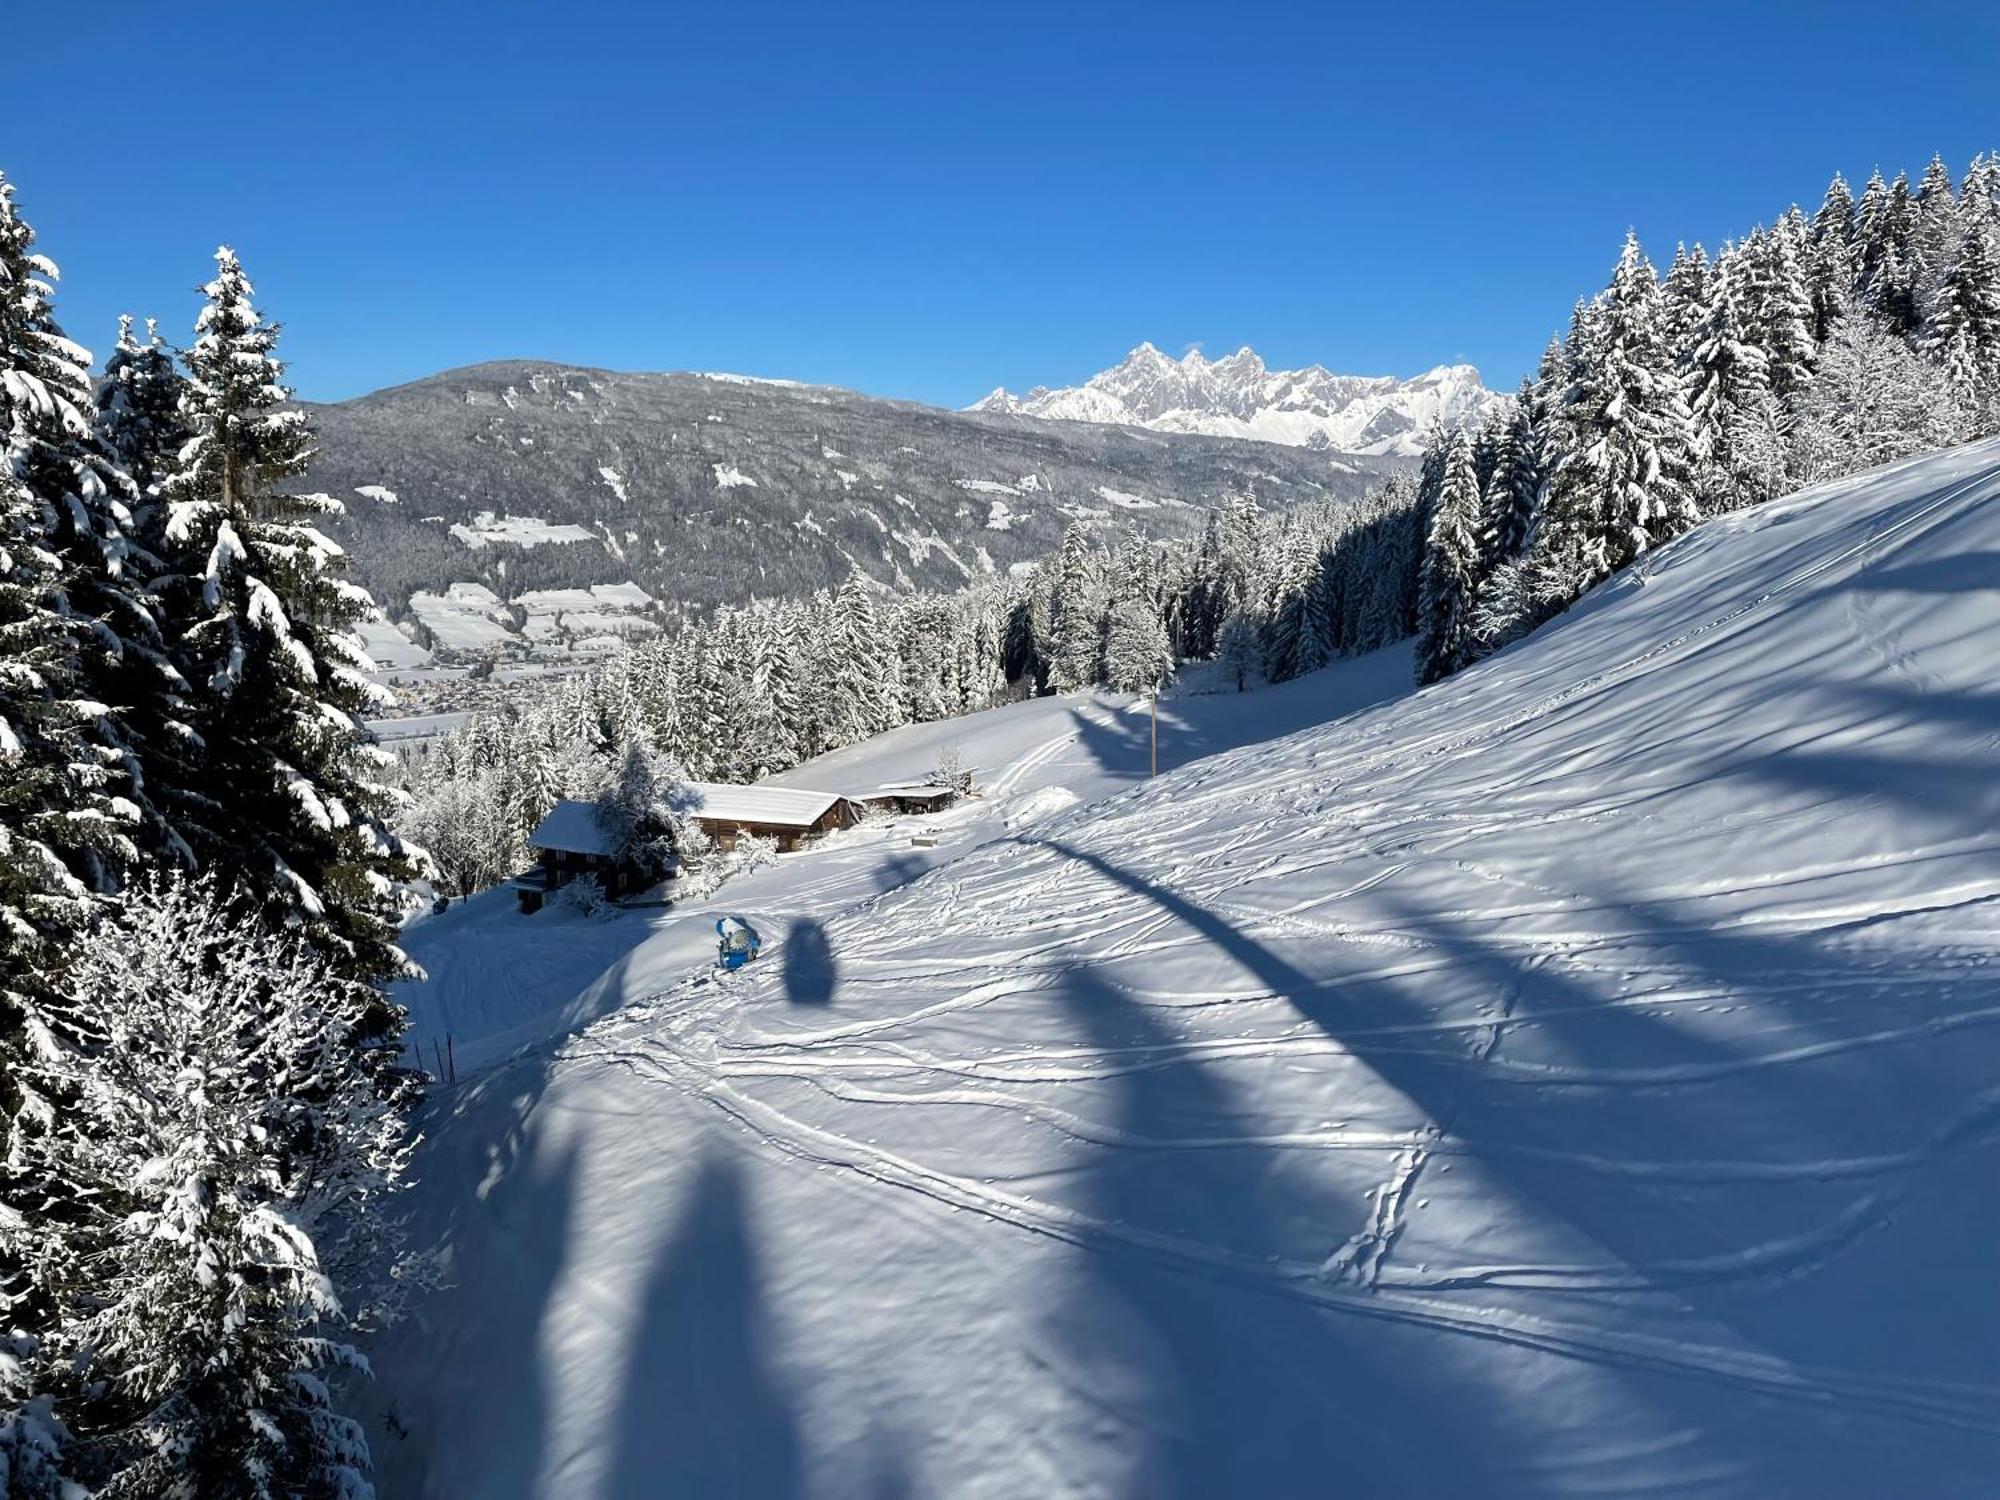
[1962, 332]
[854, 670]
[283, 786]
[1730, 389]
[1137, 658]
[138, 407]
[1513, 494]
[64, 809]
[1075, 647]
[1935, 230]
[650, 813]
[1896, 268]
[1830, 259]
[1684, 298]
[1451, 567]
[1238, 648]
[1621, 482]
[1979, 193]
[231, 1152]
[1289, 648]
[1785, 313]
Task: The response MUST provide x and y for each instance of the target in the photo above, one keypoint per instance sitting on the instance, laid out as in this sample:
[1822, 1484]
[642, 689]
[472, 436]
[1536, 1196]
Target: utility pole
[1156, 729]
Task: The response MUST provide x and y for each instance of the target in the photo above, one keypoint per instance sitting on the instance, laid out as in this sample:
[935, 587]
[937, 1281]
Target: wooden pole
[1156, 729]
[450, 1058]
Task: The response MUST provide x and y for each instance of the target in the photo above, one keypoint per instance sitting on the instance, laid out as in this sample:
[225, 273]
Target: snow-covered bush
[950, 771]
[231, 1130]
[752, 852]
[583, 895]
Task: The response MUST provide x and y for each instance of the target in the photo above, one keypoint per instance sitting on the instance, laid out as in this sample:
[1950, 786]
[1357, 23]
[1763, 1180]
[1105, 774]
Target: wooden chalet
[570, 842]
[790, 815]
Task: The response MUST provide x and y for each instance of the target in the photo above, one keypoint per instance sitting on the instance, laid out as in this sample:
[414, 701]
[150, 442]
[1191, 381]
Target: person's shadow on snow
[809, 966]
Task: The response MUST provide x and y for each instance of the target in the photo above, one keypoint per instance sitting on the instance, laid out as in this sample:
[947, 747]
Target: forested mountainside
[711, 489]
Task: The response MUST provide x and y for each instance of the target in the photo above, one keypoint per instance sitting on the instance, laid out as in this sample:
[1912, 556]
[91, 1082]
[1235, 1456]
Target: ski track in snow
[1628, 997]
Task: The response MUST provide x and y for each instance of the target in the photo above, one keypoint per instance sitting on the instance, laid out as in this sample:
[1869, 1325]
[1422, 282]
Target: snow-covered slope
[1577, 1078]
[1239, 397]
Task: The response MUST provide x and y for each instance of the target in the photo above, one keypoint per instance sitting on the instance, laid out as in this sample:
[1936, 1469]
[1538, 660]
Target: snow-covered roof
[786, 806]
[573, 828]
[907, 789]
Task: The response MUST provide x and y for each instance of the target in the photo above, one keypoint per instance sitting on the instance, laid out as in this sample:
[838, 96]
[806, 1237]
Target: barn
[908, 797]
[570, 842]
[790, 815]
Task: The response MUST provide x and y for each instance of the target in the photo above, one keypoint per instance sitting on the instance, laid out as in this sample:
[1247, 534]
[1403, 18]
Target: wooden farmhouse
[790, 815]
[569, 843]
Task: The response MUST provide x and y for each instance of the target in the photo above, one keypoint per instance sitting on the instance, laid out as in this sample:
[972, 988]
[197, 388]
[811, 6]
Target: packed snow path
[1582, 1077]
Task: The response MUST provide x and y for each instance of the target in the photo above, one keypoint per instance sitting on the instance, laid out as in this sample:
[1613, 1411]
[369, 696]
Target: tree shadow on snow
[704, 1419]
[811, 972]
[1617, 1162]
[1231, 1386]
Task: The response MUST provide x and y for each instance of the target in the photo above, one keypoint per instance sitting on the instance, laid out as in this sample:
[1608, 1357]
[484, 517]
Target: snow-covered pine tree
[1895, 267]
[1451, 567]
[1785, 313]
[1830, 259]
[1239, 647]
[1289, 647]
[1729, 387]
[80, 628]
[138, 407]
[1513, 494]
[1684, 298]
[1137, 658]
[1935, 230]
[857, 672]
[286, 789]
[1075, 649]
[1962, 331]
[1620, 484]
[232, 1152]
[649, 812]
[1242, 560]
[1979, 193]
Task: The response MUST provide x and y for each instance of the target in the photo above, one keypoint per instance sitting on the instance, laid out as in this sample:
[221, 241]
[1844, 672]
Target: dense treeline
[201, 1114]
[1805, 351]
[757, 690]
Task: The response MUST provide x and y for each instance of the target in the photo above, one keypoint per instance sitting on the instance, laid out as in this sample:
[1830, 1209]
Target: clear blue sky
[928, 200]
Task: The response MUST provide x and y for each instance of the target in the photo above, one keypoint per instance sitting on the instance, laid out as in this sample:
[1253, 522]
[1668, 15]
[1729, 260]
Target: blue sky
[927, 200]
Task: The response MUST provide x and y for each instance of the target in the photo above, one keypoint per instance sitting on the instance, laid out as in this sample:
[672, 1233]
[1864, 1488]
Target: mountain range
[1239, 396]
[707, 489]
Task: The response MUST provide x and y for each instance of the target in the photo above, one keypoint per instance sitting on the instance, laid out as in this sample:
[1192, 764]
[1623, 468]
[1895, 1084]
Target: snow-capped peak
[1240, 396]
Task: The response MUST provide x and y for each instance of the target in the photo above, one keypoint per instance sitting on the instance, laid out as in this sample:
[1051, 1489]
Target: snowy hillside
[1239, 397]
[712, 489]
[1576, 1078]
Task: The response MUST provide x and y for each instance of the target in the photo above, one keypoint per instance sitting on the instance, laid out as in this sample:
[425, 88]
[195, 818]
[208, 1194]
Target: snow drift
[1578, 1077]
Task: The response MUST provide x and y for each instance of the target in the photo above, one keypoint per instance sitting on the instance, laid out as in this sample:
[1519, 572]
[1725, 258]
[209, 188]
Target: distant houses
[571, 842]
